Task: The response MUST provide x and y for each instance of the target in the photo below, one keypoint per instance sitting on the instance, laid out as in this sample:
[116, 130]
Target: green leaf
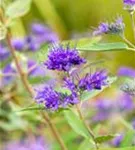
[40, 55]
[38, 79]
[128, 138]
[76, 124]
[36, 107]
[85, 145]
[18, 8]
[88, 95]
[82, 41]
[14, 123]
[103, 47]
[104, 138]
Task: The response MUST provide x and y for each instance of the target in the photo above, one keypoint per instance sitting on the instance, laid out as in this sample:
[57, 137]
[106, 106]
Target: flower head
[38, 28]
[32, 43]
[126, 71]
[43, 33]
[54, 100]
[102, 28]
[62, 59]
[18, 43]
[8, 73]
[93, 81]
[49, 97]
[129, 2]
[129, 5]
[68, 83]
[116, 27]
[4, 53]
[117, 141]
[124, 102]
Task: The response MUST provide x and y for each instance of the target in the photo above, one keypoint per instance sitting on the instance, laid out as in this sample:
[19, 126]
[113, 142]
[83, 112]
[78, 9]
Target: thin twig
[54, 131]
[133, 27]
[132, 49]
[133, 24]
[128, 42]
[86, 125]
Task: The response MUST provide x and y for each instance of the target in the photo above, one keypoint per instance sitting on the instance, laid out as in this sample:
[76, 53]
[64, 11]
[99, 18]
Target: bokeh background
[69, 19]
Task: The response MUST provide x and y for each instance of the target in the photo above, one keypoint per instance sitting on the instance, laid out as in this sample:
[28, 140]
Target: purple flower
[18, 43]
[43, 33]
[117, 141]
[54, 100]
[34, 69]
[125, 102]
[4, 52]
[129, 2]
[126, 71]
[38, 28]
[94, 81]
[68, 83]
[133, 123]
[104, 109]
[116, 27]
[102, 28]
[27, 144]
[62, 59]
[101, 116]
[31, 43]
[71, 99]
[49, 97]
[32, 66]
[104, 105]
[8, 72]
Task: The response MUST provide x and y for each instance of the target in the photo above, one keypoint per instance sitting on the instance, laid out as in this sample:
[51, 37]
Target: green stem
[128, 42]
[86, 125]
[133, 24]
[131, 49]
[54, 131]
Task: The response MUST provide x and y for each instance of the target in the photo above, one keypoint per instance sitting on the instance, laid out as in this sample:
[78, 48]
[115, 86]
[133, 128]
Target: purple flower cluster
[116, 27]
[54, 100]
[105, 108]
[129, 2]
[39, 35]
[62, 59]
[126, 71]
[68, 83]
[27, 144]
[4, 52]
[117, 140]
[9, 72]
[94, 81]
[129, 5]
